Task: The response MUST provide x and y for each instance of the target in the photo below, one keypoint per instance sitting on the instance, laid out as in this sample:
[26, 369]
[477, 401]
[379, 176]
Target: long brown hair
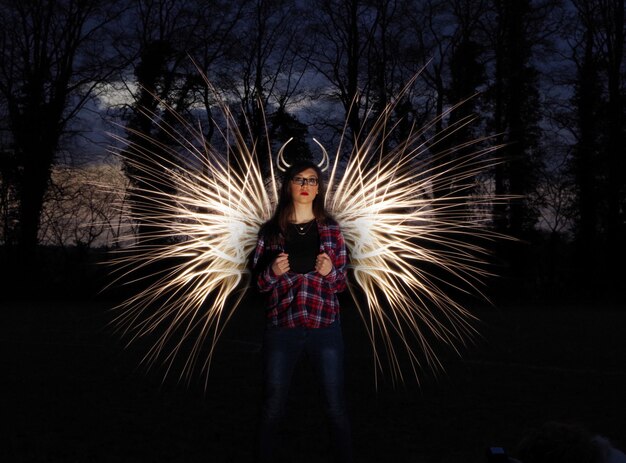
[279, 222]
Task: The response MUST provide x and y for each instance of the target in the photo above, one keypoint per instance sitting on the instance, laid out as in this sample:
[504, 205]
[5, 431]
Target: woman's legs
[325, 349]
[281, 349]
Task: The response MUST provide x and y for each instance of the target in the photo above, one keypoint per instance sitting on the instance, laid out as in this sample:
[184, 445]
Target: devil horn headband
[283, 165]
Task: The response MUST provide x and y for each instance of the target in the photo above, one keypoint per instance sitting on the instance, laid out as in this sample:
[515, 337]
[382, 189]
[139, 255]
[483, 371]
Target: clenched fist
[323, 264]
[280, 264]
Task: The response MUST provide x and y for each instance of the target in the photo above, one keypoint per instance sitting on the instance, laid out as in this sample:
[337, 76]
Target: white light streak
[383, 210]
[383, 199]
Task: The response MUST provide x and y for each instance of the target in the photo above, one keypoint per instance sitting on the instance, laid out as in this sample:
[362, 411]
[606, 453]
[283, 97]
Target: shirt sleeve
[264, 276]
[336, 278]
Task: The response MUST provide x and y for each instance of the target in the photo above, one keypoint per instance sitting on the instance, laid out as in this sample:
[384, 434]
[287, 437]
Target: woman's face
[302, 192]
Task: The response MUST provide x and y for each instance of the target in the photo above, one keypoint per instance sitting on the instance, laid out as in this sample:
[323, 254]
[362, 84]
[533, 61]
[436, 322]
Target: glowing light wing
[408, 218]
[412, 237]
[200, 234]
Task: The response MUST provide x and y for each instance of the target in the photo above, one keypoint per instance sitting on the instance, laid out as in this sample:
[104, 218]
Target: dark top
[302, 243]
[296, 299]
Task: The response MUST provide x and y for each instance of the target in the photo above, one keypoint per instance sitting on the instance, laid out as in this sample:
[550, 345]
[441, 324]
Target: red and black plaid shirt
[309, 299]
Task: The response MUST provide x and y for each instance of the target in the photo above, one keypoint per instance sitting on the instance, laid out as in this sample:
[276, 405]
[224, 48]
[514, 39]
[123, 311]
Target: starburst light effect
[199, 231]
[408, 217]
[412, 223]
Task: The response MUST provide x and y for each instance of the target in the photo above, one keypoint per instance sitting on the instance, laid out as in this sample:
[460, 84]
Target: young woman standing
[300, 263]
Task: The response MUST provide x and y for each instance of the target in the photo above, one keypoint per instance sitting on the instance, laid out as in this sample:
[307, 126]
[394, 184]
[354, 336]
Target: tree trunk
[37, 133]
[585, 168]
[615, 139]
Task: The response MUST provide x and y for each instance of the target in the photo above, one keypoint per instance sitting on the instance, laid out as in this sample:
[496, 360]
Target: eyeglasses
[302, 181]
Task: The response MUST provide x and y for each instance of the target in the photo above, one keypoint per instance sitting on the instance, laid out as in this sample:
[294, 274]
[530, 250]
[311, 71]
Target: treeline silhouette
[543, 79]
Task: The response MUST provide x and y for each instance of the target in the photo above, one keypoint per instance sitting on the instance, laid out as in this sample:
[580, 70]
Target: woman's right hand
[280, 264]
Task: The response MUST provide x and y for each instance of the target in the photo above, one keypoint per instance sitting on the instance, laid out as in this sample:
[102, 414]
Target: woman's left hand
[323, 264]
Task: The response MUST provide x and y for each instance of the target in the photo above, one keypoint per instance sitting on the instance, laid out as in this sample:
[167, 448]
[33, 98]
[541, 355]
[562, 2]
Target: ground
[71, 391]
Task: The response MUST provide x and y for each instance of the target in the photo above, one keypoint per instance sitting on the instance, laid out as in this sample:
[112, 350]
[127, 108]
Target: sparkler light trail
[384, 208]
[202, 229]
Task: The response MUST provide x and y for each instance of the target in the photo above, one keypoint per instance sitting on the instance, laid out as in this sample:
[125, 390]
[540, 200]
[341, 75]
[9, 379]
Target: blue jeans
[282, 348]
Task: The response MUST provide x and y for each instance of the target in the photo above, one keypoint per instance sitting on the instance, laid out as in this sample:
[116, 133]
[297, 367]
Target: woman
[300, 262]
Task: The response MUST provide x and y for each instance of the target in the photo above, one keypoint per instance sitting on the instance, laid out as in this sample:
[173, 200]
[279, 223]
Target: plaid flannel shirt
[295, 299]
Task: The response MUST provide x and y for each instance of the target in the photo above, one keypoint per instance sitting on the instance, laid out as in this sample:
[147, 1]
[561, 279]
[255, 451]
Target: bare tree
[340, 40]
[613, 25]
[52, 57]
[266, 76]
[587, 97]
[598, 168]
[84, 207]
[162, 38]
[449, 33]
[518, 32]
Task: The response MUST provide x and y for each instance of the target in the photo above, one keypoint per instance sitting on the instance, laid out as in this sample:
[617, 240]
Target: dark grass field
[71, 392]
